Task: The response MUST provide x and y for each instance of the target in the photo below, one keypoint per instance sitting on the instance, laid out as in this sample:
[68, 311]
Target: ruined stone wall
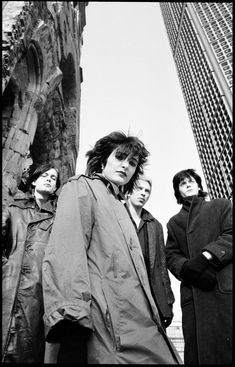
[41, 46]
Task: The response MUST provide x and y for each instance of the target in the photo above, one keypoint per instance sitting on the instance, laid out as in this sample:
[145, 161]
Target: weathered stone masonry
[41, 76]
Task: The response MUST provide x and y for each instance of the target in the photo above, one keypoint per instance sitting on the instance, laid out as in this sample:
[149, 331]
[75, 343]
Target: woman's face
[120, 168]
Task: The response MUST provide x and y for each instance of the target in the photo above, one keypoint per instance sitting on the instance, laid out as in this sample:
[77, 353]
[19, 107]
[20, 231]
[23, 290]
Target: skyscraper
[200, 36]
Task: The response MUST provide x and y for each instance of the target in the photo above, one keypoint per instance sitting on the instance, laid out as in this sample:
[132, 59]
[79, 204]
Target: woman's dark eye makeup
[122, 156]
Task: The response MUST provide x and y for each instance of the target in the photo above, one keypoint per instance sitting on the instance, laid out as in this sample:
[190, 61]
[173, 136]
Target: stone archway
[40, 113]
[56, 138]
[20, 118]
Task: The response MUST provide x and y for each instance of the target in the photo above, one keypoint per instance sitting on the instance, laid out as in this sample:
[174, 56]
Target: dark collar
[146, 216]
[191, 200]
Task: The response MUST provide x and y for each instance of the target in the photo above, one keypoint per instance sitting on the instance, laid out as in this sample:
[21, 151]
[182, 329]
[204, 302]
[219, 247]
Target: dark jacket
[158, 274]
[207, 315]
[26, 231]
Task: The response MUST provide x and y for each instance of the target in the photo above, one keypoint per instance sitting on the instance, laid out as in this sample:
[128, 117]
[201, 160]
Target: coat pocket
[108, 323]
[225, 279]
[112, 318]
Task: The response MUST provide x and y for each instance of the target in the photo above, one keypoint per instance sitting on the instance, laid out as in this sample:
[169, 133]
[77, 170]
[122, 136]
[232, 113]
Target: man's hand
[207, 279]
[199, 272]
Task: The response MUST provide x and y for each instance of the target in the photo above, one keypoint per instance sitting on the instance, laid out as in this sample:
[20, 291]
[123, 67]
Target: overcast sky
[130, 83]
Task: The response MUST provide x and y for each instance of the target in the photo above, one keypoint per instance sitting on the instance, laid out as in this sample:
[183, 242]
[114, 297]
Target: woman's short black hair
[42, 168]
[180, 176]
[128, 145]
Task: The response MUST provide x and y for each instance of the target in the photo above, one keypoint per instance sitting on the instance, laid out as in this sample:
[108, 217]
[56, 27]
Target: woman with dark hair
[98, 302]
[27, 224]
[199, 254]
[125, 146]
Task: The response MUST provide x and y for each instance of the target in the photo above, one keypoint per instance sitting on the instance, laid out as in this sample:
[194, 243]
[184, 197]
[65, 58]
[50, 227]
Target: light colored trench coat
[94, 272]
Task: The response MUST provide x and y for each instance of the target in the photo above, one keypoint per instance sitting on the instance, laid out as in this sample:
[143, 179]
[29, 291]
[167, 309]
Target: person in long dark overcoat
[26, 227]
[199, 254]
[150, 234]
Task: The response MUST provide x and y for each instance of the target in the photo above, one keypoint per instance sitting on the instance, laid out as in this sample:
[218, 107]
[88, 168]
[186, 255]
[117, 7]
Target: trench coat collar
[23, 200]
[49, 206]
[27, 200]
[112, 187]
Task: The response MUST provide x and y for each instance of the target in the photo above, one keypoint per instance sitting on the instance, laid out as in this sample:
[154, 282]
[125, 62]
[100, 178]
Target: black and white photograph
[117, 186]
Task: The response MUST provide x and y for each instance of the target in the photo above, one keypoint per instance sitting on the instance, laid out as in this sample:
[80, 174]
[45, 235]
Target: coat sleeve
[164, 271]
[66, 285]
[221, 247]
[174, 257]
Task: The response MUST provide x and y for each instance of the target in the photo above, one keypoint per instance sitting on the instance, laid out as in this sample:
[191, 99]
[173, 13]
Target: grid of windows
[172, 30]
[177, 10]
[216, 20]
[209, 118]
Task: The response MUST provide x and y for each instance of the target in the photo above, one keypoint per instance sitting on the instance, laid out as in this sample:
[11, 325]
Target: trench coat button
[222, 252]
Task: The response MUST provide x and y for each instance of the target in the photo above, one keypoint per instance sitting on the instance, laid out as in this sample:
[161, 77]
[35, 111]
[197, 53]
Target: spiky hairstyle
[128, 145]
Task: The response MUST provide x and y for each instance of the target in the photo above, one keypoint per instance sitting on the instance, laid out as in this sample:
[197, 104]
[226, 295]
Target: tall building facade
[200, 36]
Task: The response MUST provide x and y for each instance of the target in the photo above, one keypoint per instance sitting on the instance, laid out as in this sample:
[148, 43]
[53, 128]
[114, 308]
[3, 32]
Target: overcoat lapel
[193, 214]
[152, 249]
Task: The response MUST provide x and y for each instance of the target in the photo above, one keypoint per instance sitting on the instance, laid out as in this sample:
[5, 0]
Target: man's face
[45, 184]
[140, 194]
[188, 187]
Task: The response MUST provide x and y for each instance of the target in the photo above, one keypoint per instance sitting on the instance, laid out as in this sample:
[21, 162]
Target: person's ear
[34, 183]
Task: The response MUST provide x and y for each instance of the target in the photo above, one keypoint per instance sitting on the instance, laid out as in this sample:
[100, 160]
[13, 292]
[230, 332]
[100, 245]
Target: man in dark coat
[150, 234]
[199, 254]
[26, 227]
